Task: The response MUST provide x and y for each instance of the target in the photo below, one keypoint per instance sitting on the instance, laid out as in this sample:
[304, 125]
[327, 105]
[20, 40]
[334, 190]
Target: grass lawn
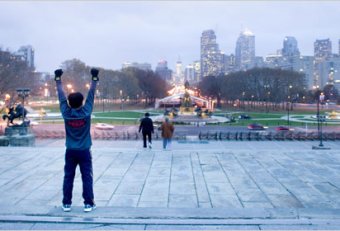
[123, 114]
[131, 117]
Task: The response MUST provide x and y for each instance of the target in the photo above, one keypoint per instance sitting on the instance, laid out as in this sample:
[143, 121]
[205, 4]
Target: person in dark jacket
[77, 119]
[146, 126]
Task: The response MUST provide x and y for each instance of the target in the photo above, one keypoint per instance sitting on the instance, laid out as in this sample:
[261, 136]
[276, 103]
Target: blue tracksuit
[78, 144]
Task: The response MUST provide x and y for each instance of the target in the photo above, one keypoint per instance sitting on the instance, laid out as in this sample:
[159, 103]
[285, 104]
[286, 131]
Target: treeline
[263, 85]
[128, 83]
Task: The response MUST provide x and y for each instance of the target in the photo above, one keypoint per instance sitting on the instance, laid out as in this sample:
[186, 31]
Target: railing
[274, 136]
[212, 136]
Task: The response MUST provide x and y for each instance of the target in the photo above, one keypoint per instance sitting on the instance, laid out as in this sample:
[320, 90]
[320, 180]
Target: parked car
[104, 126]
[255, 126]
[282, 128]
[244, 117]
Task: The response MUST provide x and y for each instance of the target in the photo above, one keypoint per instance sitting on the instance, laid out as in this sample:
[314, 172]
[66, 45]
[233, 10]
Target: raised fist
[94, 73]
[58, 73]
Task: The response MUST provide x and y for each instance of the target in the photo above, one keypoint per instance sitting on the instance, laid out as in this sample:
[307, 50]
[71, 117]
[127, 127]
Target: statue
[186, 104]
[186, 101]
[17, 134]
[18, 112]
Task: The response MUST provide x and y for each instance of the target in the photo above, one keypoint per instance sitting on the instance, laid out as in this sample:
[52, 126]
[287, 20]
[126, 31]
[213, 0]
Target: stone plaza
[249, 185]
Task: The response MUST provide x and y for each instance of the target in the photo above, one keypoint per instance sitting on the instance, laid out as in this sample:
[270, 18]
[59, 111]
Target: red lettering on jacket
[76, 123]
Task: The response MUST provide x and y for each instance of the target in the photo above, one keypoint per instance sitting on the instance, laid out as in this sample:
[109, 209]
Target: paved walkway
[197, 185]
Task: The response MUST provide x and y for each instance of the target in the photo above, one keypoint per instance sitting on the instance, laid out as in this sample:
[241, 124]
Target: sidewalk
[211, 185]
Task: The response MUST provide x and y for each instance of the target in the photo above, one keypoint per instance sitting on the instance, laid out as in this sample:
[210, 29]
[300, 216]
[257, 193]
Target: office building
[189, 73]
[197, 70]
[142, 66]
[322, 53]
[212, 60]
[245, 50]
[163, 71]
[290, 47]
[27, 54]
[178, 75]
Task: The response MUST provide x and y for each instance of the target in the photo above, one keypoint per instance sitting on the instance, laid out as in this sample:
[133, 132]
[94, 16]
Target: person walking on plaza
[77, 119]
[167, 129]
[146, 126]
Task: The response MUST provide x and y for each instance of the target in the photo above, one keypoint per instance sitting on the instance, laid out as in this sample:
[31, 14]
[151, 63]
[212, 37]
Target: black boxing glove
[58, 73]
[94, 73]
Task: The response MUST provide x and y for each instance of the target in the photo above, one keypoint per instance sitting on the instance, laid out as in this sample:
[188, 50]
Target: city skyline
[108, 33]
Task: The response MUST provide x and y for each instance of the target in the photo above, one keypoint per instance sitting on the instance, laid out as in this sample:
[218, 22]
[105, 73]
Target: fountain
[187, 107]
[334, 115]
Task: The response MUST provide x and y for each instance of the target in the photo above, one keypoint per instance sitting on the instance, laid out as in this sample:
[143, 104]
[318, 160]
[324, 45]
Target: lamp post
[121, 99]
[268, 98]
[252, 101]
[288, 104]
[320, 120]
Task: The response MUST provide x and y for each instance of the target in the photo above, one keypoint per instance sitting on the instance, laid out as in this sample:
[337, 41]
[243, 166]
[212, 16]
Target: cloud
[107, 33]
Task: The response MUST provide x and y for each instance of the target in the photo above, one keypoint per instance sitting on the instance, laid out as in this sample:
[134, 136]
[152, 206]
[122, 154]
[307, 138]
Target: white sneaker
[150, 145]
[66, 207]
[89, 208]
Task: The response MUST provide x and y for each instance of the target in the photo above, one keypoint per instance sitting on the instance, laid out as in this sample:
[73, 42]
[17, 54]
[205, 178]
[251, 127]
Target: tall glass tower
[211, 56]
[322, 49]
[322, 52]
[245, 50]
[290, 47]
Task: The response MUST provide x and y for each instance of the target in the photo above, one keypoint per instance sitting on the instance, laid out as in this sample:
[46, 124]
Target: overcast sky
[108, 33]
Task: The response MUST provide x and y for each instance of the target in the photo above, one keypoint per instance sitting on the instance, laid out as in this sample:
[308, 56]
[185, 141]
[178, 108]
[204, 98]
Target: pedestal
[17, 136]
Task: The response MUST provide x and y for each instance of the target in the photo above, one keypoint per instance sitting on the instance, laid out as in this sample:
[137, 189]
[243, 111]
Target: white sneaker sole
[89, 209]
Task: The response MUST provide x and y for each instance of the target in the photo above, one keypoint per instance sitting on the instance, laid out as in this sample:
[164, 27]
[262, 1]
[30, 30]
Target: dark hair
[75, 99]
[147, 114]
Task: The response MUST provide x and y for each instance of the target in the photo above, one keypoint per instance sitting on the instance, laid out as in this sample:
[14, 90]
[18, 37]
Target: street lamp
[252, 101]
[288, 102]
[121, 99]
[268, 98]
[320, 120]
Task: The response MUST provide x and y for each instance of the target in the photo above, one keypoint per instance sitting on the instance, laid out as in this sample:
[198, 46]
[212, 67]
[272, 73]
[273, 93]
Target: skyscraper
[142, 66]
[322, 53]
[211, 56]
[27, 53]
[197, 69]
[290, 47]
[189, 73]
[163, 71]
[322, 49]
[245, 50]
[179, 77]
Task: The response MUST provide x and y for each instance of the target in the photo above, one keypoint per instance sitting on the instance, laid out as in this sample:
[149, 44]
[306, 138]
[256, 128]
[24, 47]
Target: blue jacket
[77, 121]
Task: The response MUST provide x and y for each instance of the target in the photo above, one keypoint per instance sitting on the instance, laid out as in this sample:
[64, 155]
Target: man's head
[147, 114]
[75, 100]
